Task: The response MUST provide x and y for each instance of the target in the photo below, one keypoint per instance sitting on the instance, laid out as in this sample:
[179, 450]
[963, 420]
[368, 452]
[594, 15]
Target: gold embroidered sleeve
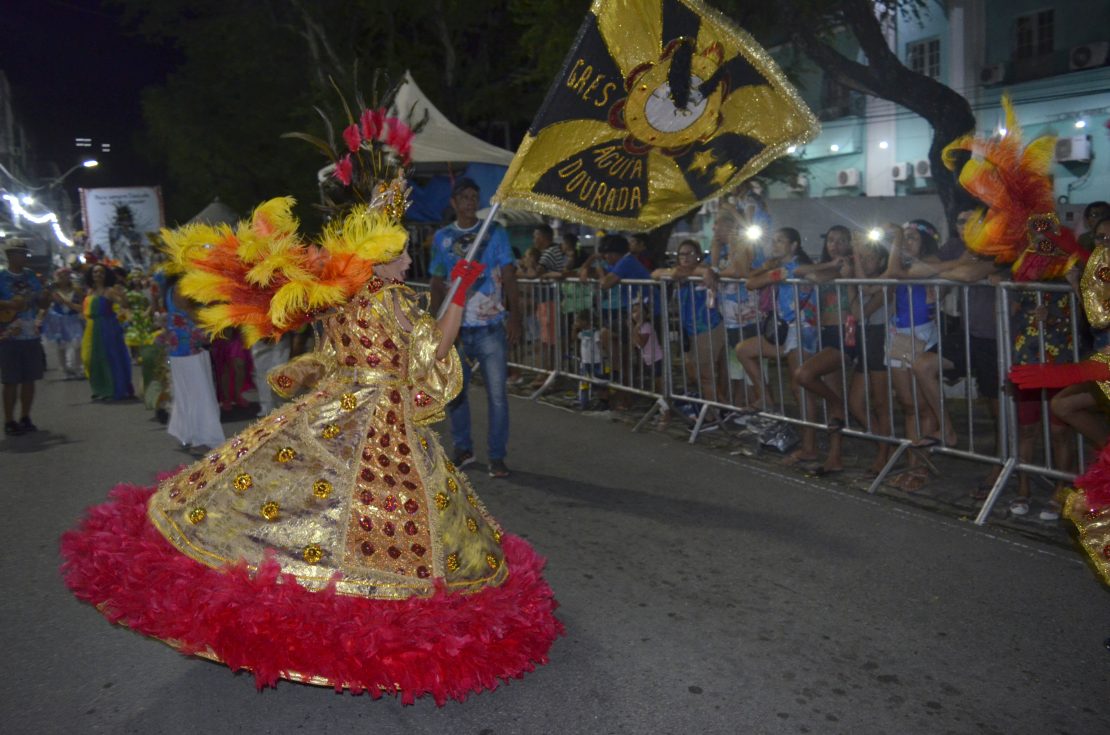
[301, 373]
[1095, 288]
[439, 380]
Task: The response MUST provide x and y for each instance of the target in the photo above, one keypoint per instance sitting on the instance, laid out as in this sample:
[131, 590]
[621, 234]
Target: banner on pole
[660, 106]
[117, 220]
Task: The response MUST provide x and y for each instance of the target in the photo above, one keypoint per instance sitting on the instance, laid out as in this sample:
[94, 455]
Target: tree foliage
[254, 69]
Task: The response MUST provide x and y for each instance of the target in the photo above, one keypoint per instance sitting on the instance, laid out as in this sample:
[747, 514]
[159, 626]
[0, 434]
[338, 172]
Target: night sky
[74, 71]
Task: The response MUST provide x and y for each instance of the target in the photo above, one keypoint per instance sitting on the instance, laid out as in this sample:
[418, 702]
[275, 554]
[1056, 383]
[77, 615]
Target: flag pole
[469, 256]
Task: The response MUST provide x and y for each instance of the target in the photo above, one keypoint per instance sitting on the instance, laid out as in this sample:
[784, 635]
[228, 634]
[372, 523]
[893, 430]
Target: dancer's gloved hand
[467, 271]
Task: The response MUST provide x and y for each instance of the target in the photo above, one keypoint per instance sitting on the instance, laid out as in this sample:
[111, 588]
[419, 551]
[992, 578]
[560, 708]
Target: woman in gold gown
[331, 542]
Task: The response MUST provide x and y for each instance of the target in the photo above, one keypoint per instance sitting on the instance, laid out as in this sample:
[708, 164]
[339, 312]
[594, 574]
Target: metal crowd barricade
[589, 338]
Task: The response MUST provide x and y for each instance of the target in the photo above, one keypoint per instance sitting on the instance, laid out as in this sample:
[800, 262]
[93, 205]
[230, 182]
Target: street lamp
[91, 163]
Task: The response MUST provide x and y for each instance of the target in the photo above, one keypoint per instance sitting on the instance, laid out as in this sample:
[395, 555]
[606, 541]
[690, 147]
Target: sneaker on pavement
[463, 458]
[1020, 507]
[26, 426]
[497, 468]
[11, 428]
[1051, 512]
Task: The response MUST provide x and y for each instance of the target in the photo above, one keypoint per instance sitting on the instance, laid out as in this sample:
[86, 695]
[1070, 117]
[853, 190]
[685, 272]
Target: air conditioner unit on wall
[923, 169]
[1089, 55]
[1076, 149]
[993, 74]
[901, 172]
[847, 177]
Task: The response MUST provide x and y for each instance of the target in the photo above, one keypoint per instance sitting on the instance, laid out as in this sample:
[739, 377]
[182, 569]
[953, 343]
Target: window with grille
[923, 57]
[1034, 34]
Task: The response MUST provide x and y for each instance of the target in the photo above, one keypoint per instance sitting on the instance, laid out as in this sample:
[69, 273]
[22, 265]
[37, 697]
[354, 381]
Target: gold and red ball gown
[332, 541]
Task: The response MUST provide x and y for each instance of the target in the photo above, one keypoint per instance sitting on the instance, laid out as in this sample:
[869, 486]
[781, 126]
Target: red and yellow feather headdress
[263, 277]
[1018, 225]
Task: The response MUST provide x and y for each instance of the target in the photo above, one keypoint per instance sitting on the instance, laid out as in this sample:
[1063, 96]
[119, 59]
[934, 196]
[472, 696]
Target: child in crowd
[590, 359]
[651, 356]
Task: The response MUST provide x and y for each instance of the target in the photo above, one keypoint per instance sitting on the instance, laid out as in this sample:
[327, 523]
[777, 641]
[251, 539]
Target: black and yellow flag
[661, 105]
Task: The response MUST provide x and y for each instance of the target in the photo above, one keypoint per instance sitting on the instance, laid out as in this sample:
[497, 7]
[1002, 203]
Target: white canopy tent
[216, 213]
[441, 141]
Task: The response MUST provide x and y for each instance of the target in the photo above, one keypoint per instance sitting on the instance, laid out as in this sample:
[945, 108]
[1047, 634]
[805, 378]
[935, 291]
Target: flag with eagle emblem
[660, 106]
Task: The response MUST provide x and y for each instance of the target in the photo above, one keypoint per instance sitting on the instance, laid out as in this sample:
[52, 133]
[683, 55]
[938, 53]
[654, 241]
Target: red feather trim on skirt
[448, 645]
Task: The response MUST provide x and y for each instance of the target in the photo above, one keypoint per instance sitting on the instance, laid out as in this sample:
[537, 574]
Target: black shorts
[736, 335]
[21, 361]
[984, 361]
[830, 339]
[875, 337]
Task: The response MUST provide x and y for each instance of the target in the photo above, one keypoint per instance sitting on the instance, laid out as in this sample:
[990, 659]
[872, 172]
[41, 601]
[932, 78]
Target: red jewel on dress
[422, 572]
[241, 453]
[421, 399]
[390, 504]
[411, 506]
[384, 441]
[366, 342]
[367, 548]
[346, 340]
[221, 467]
[366, 497]
[383, 460]
[403, 449]
[394, 552]
[395, 396]
[396, 361]
[367, 454]
[411, 529]
[284, 382]
[418, 549]
[367, 475]
[403, 468]
[389, 344]
[391, 418]
[350, 360]
[373, 360]
[366, 523]
[389, 480]
[409, 484]
[389, 529]
[364, 324]
[370, 432]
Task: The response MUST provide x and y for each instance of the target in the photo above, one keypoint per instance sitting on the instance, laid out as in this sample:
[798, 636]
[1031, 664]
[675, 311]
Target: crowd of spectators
[750, 311]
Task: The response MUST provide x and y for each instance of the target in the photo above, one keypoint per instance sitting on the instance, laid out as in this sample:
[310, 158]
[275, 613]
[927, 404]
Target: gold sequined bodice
[347, 481]
[366, 333]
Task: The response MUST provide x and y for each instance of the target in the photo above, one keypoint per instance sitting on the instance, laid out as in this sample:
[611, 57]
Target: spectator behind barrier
[1093, 213]
[821, 375]
[1082, 406]
[913, 332]
[611, 264]
[790, 331]
[974, 339]
[736, 255]
[702, 329]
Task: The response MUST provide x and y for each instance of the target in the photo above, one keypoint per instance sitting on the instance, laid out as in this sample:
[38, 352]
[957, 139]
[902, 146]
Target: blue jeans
[490, 347]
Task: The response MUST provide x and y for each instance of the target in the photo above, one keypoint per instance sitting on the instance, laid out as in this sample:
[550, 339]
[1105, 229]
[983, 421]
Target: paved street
[701, 593]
